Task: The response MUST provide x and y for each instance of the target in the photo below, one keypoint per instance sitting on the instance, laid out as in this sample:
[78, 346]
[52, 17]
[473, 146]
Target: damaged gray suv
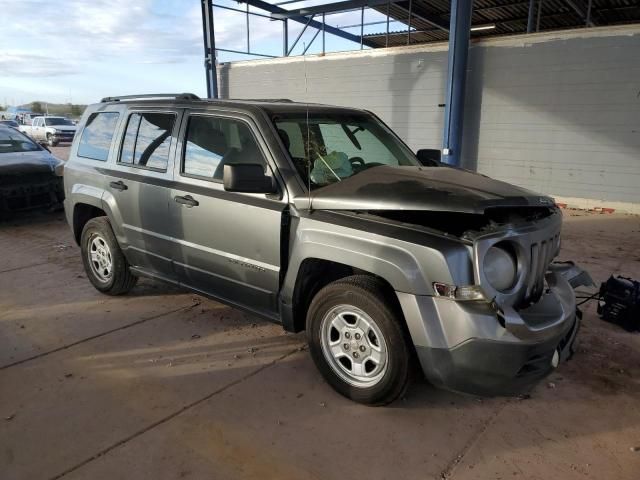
[320, 218]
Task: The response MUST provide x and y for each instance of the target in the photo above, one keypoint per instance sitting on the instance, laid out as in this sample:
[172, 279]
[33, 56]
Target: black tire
[121, 280]
[50, 141]
[368, 295]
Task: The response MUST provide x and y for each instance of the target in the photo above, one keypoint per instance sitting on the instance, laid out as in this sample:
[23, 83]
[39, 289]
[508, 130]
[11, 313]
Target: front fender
[397, 266]
[409, 267]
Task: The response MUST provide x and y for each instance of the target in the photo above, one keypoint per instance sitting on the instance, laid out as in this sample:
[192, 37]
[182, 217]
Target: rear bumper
[469, 347]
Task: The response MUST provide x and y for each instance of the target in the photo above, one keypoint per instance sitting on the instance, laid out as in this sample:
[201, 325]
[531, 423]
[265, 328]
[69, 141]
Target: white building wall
[558, 113]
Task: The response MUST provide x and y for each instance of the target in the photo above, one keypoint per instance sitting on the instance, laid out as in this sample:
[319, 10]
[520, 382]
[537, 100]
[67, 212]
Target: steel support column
[531, 16]
[459, 30]
[285, 37]
[209, 48]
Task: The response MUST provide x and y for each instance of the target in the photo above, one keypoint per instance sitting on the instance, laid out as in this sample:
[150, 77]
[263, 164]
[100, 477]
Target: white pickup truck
[51, 130]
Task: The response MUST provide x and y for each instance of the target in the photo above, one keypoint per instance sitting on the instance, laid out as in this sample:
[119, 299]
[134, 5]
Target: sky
[78, 51]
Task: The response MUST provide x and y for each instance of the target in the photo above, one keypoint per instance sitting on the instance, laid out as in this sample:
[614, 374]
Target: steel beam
[299, 36]
[409, 24]
[246, 53]
[304, 52]
[267, 7]
[588, 19]
[347, 5]
[539, 15]
[209, 48]
[431, 21]
[327, 8]
[224, 7]
[580, 12]
[460, 28]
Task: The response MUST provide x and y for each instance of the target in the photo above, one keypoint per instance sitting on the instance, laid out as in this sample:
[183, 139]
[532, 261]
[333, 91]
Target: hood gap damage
[468, 225]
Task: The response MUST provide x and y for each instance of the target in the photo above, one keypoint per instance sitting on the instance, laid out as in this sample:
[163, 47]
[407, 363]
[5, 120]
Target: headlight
[501, 267]
[459, 293]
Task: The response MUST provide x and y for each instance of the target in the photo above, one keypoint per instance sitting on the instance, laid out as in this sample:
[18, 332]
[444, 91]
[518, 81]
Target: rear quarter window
[97, 135]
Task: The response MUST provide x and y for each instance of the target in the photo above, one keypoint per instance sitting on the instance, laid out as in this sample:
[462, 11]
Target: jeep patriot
[322, 219]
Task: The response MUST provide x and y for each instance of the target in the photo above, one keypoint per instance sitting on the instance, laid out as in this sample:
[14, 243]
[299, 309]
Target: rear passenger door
[226, 244]
[139, 185]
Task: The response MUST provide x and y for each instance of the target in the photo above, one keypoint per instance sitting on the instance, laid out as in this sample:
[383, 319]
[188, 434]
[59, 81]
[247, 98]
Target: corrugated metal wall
[559, 114]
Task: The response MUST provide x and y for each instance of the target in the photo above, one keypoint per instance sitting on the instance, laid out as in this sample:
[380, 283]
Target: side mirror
[429, 157]
[247, 178]
[59, 170]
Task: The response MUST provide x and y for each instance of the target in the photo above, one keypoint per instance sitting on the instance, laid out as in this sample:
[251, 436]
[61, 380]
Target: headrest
[284, 136]
[208, 138]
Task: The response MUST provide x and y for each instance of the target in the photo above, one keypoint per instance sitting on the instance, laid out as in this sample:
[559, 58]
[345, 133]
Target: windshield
[58, 121]
[330, 148]
[12, 141]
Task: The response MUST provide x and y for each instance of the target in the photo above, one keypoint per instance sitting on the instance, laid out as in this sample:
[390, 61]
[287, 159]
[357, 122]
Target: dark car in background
[9, 123]
[30, 176]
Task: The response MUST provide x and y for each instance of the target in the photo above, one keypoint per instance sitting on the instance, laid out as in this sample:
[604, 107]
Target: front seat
[247, 153]
[210, 139]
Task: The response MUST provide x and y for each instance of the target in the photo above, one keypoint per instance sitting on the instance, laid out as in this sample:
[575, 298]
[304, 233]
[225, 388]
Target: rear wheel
[104, 262]
[357, 340]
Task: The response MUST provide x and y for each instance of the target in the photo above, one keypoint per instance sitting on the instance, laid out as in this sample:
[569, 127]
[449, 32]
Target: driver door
[226, 244]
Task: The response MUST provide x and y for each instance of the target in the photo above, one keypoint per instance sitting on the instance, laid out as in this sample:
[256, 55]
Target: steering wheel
[357, 163]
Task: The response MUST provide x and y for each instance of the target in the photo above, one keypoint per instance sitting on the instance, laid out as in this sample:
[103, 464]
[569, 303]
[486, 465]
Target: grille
[541, 255]
[27, 178]
[24, 196]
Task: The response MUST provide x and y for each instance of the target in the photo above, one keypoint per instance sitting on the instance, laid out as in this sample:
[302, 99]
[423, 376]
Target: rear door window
[97, 135]
[147, 140]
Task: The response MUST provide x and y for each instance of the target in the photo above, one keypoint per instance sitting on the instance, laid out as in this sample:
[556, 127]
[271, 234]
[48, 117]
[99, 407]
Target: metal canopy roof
[501, 17]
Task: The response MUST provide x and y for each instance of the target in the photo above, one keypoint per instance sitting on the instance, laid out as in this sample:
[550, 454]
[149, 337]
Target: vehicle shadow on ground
[147, 288]
[31, 217]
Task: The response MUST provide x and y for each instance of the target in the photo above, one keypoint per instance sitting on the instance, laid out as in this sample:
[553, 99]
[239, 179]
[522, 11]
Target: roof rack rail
[284, 100]
[177, 96]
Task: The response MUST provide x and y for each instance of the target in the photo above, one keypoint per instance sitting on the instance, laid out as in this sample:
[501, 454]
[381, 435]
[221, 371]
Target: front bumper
[34, 191]
[63, 137]
[470, 347]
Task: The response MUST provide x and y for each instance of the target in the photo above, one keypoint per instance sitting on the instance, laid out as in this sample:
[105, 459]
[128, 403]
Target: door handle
[119, 185]
[187, 200]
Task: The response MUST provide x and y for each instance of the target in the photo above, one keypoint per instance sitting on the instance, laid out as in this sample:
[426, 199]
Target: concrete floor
[163, 384]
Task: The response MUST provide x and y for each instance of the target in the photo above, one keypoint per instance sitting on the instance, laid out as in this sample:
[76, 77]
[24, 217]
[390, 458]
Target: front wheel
[105, 264]
[51, 141]
[358, 342]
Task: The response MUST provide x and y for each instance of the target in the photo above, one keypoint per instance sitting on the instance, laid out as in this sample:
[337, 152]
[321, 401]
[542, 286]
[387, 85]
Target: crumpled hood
[27, 163]
[421, 188]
